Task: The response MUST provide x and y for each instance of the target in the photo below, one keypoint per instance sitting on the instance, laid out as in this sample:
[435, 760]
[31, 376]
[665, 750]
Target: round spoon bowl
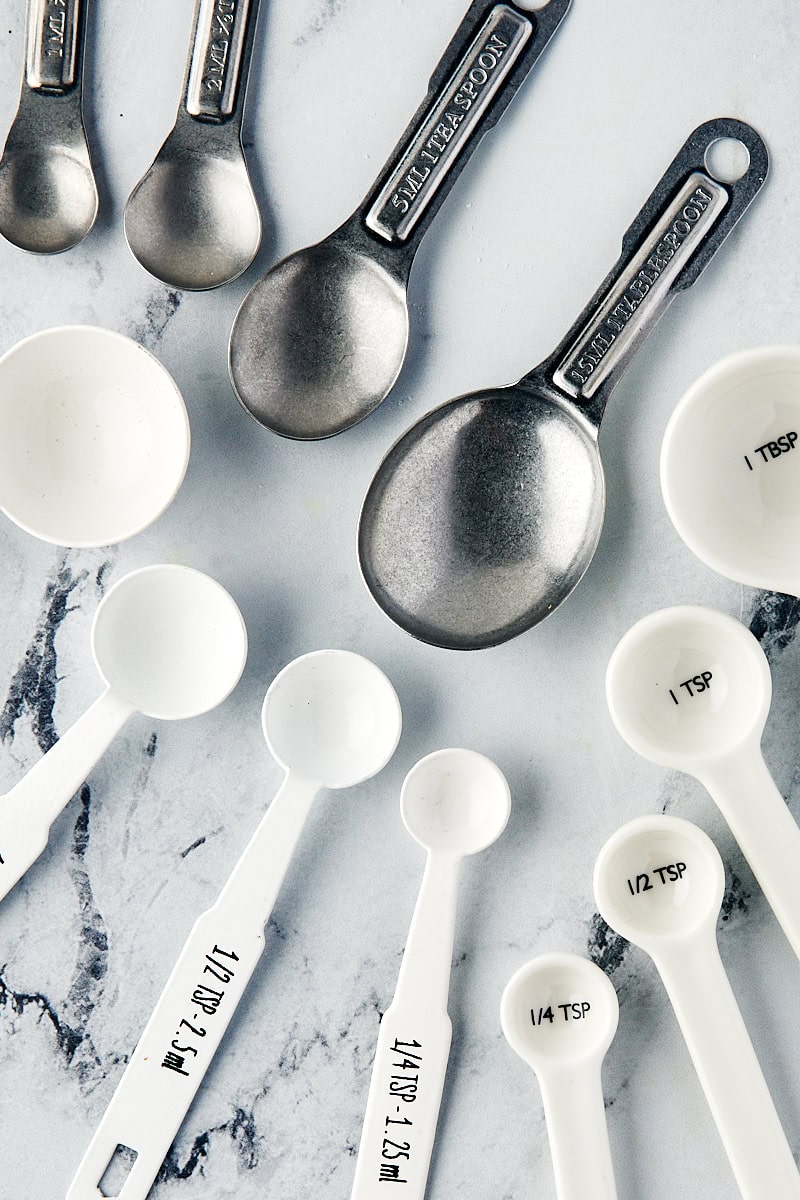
[455, 802]
[467, 535]
[730, 468]
[170, 641]
[659, 878]
[94, 436]
[688, 684]
[332, 716]
[559, 1010]
[193, 221]
[48, 199]
[318, 342]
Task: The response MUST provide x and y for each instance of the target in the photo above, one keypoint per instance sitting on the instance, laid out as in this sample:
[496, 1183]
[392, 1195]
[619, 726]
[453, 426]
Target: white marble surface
[88, 938]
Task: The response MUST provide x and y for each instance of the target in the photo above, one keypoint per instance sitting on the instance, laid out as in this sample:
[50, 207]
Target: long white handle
[405, 1091]
[196, 1006]
[759, 819]
[29, 809]
[728, 1069]
[578, 1133]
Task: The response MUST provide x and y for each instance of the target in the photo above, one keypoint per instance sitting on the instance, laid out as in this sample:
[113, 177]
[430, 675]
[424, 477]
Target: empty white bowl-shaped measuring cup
[559, 1013]
[94, 436]
[690, 688]
[659, 882]
[454, 803]
[730, 468]
[168, 642]
[331, 719]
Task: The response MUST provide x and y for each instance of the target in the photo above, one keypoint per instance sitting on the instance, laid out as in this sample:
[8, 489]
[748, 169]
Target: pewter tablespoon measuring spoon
[690, 688]
[331, 719]
[485, 515]
[730, 468]
[48, 194]
[192, 221]
[659, 881]
[559, 1013]
[454, 803]
[168, 642]
[319, 340]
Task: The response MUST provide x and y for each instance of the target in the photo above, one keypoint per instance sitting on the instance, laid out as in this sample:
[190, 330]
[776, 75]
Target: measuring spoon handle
[577, 1131]
[29, 809]
[54, 35]
[671, 241]
[196, 1006]
[727, 1068]
[219, 60]
[408, 1073]
[767, 833]
[479, 73]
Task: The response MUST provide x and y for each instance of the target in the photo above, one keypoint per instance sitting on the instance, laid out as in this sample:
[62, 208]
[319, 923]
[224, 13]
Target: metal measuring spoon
[454, 803]
[48, 195]
[168, 642]
[484, 516]
[690, 688]
[730, 468]
[331, 719]
[192, 220]
[319, 341]
[659, 881]
[560, 1013]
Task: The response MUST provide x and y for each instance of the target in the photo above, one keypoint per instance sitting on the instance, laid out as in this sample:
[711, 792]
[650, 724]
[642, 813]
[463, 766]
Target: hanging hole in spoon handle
[480, 72]
[48, 194]
[674, 237]
[216, 74]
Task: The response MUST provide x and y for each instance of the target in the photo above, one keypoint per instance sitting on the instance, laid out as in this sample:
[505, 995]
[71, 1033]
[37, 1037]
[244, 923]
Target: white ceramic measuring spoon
[168, 642]
[690, 688]
[559, 1013]
[454, 803]
[331, 719]
[94, 436]
[659, 882]
[730, 468]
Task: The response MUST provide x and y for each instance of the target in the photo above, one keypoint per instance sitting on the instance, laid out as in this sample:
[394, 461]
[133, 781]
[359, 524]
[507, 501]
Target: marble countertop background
[87, 939]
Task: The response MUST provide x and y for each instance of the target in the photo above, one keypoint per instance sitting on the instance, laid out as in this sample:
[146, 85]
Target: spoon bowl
[687, 685]
[730, 468]
[319, 341]
[659, 878]
[193, 221]
[455, 802]
[583, 1008]
[94, 436]
[170, 641]
[331, 716]
[48, 198]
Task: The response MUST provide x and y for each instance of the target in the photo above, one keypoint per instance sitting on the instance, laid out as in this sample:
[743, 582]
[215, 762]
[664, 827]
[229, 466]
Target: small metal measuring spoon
[559, 1013]
[332, 720]
[659, 881]
[168, 642]
[690, 688]
[94, 436]
[454, 803]
[319, 340]
[738, 426]
[192, 221]
[485, 514]
[48, 194]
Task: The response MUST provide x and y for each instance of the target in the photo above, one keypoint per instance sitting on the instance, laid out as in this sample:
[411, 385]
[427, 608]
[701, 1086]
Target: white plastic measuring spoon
[94, 436]
[168, 642]
[559, 1013]
[659, 882]
[690, 688]
[730, 468]
[331, 719]
[454, 803]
